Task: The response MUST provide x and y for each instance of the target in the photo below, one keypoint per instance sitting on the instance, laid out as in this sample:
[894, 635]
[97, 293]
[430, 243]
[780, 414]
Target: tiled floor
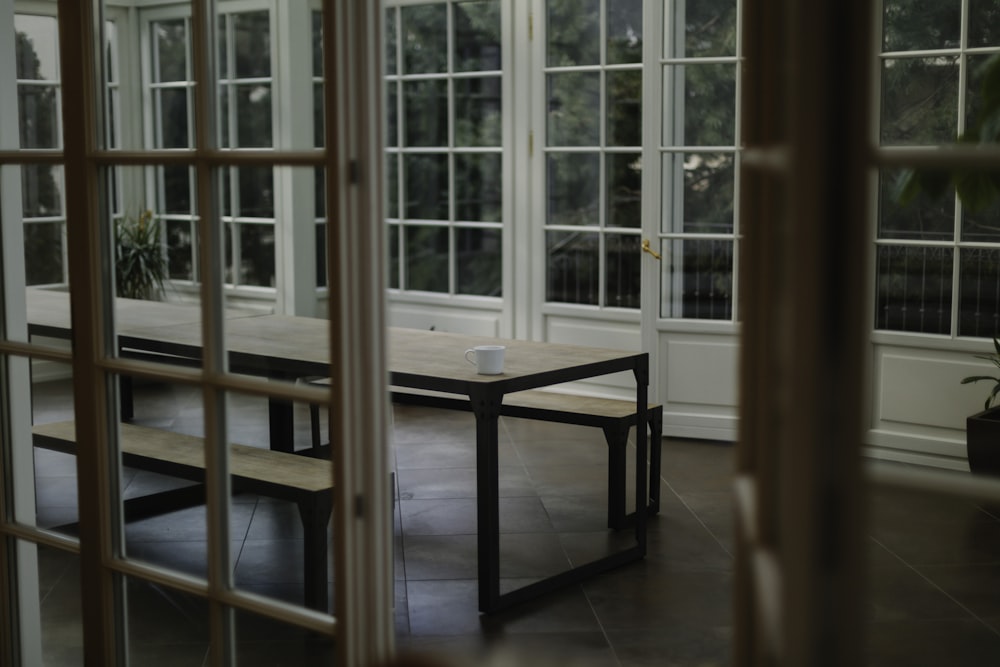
[934, 566]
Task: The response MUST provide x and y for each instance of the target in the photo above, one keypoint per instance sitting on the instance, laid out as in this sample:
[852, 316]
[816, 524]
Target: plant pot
[982, 441]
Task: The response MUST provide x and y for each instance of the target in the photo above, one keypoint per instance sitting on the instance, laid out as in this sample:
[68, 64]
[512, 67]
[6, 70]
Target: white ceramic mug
[487, 358]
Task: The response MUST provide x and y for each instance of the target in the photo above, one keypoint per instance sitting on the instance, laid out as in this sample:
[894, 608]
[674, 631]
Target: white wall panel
[458, 320]
[926, 389]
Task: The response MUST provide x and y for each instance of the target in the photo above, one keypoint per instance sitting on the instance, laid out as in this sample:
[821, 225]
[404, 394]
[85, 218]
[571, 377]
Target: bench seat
[303, 480]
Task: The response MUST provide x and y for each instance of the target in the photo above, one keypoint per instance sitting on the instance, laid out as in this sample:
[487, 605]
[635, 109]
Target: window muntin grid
[444, 147]
[935, 258]
[699, 232]
[593, 152]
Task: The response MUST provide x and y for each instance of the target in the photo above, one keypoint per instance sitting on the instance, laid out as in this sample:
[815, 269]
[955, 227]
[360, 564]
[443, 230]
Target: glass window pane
[709, 28]
[978, 69]
[41, 190]
[392, 185]
[425, 40]
[256, 192]
[979, 292]
[426, 187]
[317, 42]
[43, 253]
[707, 191]
[320, 190]
[478, 112]
[176, 190]
[321, 255]
[253, 116]
[477, 36]
[427, 259]
[573, 30]
[180, 249]
[624, 108]
[392, 249]
[981, 225]
[391, 43]
[392, 114]
[920, 100]
[478, 261]
[624, 190]
[984, 23]
[574, 109]
[162, 620]
[256, 255]
[573, 187]
[171, 50]
[38, 116]
[699, 279]
[624, 31]
[36, 47]
[252, 35]
[910, 25]
[572, 267]
[925, 219]
[426, 112]
[478, 187]
[913, 289]
[172, 122]
[709, 108]
[622, 269]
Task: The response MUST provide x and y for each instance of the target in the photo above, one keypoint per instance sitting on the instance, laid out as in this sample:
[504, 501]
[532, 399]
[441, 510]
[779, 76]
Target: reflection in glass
[700, 277]
[477, 36]
[478, 111]
[622, 270]
[918, 100]
[38, 116]
[478, 260]
[426, 186]
[180, 249]
[574, 109]
[573, 32]
[41, 190]
[911, 25]
[573, 187]
[43, 253]
[709, 28]
[391, 43]
[256, 254]
[925, 219]
[171, 52]
[624, 32]
[979, 292]
[427, 258]
[708, 194]
[36, 49]
[253, 117]
[913, 289]
[709, 104]
[624, 190]
[172, 117]
[256, 192]
[572, 267]
[426, 112]
[478, 187]
[252, 44]
[624, 107]
[424, 42]
[984, 23]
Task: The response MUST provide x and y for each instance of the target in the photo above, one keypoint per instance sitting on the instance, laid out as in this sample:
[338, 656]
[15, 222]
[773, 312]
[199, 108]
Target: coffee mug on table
[487, 358]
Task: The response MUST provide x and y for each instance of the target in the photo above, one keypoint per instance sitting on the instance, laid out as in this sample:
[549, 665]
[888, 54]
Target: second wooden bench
[305, 481]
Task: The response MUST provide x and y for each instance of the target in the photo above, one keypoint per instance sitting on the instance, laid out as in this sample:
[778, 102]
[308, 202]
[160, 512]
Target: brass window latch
[646, 248]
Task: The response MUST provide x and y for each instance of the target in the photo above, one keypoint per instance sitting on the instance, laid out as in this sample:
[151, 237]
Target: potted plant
[140, 263]
[982, 430]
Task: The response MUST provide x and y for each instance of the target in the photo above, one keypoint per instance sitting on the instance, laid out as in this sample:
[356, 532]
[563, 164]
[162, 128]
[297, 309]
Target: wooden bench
[615, 417]
[303, 480]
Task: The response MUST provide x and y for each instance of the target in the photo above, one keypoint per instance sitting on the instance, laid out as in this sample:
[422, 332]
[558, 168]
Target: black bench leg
[315, 518]
[655, 449]
[617, 437]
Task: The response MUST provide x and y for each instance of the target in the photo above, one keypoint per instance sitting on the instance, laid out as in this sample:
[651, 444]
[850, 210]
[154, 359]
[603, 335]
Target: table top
[294, 346]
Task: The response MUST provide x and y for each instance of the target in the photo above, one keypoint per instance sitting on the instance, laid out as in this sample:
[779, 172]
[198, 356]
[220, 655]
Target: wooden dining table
[284, 347]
